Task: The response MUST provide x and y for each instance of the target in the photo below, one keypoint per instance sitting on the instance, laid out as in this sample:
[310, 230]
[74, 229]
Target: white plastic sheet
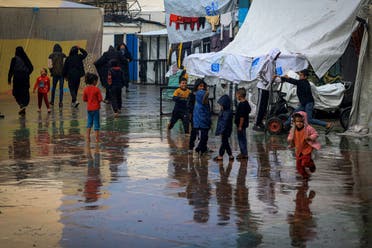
[319, 30]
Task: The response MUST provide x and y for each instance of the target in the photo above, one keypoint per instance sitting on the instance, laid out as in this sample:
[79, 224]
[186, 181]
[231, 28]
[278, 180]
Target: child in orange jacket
[42, 85]
[303, 137]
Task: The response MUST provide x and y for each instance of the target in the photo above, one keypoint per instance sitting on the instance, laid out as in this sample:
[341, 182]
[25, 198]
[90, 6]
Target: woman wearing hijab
[73, 70]
[265, 78]
[20, 70]
[103, 66]
[126, 57]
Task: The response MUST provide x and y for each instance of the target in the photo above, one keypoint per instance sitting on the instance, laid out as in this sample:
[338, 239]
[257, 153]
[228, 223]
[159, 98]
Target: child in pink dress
[303, 137]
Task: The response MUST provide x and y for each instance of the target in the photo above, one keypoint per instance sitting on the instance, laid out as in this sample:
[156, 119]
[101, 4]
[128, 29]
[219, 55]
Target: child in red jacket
[92, 95]
[303, 137]
[42, 85]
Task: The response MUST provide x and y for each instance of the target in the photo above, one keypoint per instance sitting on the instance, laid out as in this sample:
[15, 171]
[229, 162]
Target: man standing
[265, 77]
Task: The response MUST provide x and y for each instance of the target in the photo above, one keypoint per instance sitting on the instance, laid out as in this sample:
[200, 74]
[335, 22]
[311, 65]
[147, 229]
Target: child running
[42, 85]
[242, 121]
[303, 137]
[180, 110]
[224, 127]
[92, 95]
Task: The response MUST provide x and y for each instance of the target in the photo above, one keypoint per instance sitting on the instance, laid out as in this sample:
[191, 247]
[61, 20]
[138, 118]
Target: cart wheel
[344, 117]
[274, 125]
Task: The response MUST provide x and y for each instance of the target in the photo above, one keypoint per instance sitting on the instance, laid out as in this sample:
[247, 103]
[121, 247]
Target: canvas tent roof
[316, 31]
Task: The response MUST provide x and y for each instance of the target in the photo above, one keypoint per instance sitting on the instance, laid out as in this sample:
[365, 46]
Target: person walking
[103, 65]
[55, 65]
[242, 121]
[115, 82]
[306, 99]
[73, 70]
[224, 127]
[126, 57]
[303, 138]
[42, 85]
[265, 78]
[92, 95]
[20, 70]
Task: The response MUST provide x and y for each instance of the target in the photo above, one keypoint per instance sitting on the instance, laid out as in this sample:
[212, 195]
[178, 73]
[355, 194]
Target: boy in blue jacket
[224, 127]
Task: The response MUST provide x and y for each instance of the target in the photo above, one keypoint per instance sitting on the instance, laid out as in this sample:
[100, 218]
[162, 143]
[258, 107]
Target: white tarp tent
[360, 122]
[315, 31]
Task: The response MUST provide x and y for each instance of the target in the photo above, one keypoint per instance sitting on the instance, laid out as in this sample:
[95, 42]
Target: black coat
[73, 69]
[103, 64]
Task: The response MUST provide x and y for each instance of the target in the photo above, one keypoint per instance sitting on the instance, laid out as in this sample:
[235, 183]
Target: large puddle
[139, 187]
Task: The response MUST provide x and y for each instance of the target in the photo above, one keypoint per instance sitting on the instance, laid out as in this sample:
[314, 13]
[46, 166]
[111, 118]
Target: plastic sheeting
[37, 29]
[327, 97]
[319, 30]
[360, 122]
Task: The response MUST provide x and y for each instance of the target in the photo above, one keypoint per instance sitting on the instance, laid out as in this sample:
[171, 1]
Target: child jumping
[42, 85]
[303, 137]
[180, 110]
[242, 121]
[224, 127]
[92, 95]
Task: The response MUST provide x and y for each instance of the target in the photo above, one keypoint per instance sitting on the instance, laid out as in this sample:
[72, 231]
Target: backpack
[57, 64]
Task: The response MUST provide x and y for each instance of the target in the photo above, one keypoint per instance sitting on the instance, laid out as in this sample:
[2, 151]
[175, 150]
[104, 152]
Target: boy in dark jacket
[115, 81]
[224, 127]
[306, 99]
[180, 110]
[242, 121]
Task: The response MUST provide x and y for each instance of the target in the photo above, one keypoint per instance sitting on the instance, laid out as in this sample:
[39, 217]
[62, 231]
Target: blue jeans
[242, 140]
[61, 82]
[308, 108]
[93, 118]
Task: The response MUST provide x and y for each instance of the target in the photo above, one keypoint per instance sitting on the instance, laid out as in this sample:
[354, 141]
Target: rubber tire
[274, 125]
[344, 118]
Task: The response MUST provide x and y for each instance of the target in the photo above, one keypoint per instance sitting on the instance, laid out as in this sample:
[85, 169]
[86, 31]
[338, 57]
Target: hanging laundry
[201, 23]
[226, 38]
[196, 44]
[176, 19]
[214, 21]
[207, 45]
[227, 20]
[184, 48]
[173, 48]
[191, 21]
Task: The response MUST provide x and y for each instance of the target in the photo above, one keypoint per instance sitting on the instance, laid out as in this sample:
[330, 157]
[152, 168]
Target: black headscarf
[19, 52]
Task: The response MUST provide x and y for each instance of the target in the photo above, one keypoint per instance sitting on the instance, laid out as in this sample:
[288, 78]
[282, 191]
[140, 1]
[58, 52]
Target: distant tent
[38, 25]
